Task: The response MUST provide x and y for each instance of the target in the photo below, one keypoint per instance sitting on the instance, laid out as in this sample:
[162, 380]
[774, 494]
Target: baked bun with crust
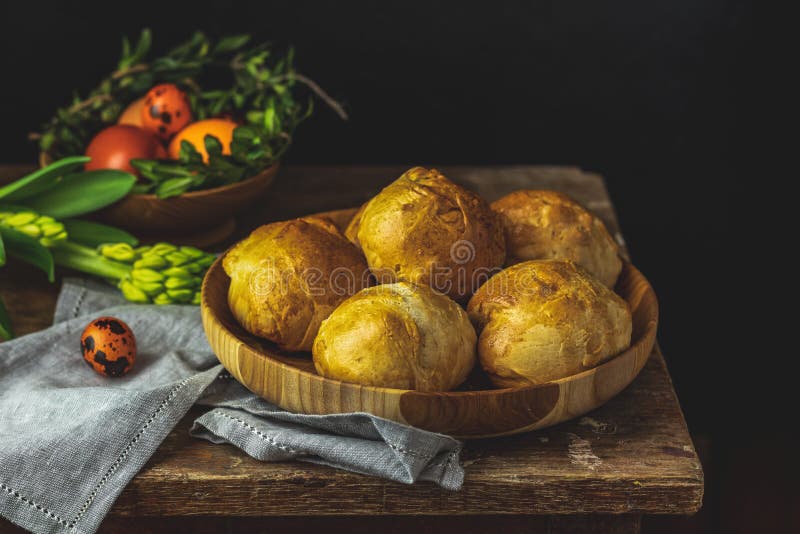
[543, 320]
[548, 225]
[288, 276]
[423, 228]
[400, 335]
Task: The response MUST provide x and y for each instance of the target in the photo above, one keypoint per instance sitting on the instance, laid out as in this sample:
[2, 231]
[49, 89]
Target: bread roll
[543, 320]
[399, 335]
[423, 228]
[286, 277]
[548, 225]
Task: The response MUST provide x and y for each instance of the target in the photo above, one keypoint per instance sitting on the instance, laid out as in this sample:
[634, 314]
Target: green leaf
[143, 46]
[173, 187]
[6, 332]
[213, 146]
[2, 252]
[28, 249]
[231, 43]
[189, 154]
[83, 192]
[269, 118]
[212, 95]
[38, 181]
[145, 165]
[93, 234]
[126, 52]
[141, 189]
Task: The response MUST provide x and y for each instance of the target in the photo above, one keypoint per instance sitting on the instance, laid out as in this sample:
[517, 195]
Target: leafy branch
[264, 96]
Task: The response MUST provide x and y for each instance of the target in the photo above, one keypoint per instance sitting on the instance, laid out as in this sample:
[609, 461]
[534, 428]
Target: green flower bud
[151, 262]
[21, 219]
[118, 252]
[179, 283]
[192, 253]
[30, 230]
[176, 258]
[178, 272]
[50, 229]
[147, 275]
[206, 261]
[180, 295]
[133, 293]
[193, 268]
[141, 251]
[160, 249]
[150, 288]
[161, 299]
[52, 240]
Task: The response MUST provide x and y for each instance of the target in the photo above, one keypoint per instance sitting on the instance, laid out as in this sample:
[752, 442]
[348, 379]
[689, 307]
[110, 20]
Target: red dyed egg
[116, 146]
[166, 110]
[108, 346]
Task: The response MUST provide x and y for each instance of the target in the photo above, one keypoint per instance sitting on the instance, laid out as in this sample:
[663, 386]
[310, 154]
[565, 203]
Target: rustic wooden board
[487, 524]
[632, 456]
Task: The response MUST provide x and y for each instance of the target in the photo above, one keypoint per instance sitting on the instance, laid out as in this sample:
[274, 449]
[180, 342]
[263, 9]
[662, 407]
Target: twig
[320, 92]
[139, 67]
[88, 102]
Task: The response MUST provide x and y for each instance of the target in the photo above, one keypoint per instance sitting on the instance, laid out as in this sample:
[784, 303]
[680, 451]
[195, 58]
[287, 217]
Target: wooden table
[632, 457]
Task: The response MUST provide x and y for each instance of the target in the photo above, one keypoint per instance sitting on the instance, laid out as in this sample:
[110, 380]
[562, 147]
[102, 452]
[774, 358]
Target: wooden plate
[475, 411]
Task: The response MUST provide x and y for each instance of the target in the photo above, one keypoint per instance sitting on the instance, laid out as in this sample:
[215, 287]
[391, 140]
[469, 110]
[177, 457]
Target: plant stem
[316, 89]
[88, 102]
[87, 260]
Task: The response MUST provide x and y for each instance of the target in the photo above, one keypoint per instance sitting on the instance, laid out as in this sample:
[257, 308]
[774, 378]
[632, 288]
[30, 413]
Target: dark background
[656, 96]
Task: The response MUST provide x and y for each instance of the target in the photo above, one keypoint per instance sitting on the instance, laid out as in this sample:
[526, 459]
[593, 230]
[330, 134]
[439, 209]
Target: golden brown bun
[548, 225]
[425, 229]
[286, 277]
[543, 320]
[399, 335]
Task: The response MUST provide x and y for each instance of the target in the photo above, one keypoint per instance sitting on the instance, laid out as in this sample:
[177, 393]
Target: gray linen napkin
[70, 439]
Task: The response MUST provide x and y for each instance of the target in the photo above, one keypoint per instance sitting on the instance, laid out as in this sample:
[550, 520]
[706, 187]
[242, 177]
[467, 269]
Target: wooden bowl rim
[649, 330]
[45, 159]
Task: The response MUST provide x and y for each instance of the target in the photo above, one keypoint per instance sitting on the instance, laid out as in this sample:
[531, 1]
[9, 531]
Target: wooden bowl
[189, 212]
[195, 212]
[475, 411]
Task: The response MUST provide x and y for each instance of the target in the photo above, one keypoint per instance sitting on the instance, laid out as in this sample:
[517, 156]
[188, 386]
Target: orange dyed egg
[132, 114]
[165, 111]
[196, 133]
[108, 346]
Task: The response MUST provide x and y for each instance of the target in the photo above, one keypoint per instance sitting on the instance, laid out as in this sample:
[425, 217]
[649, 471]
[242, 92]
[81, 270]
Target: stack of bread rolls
[428, 278]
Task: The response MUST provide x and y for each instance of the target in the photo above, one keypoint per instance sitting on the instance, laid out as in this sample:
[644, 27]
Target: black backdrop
[650, 94]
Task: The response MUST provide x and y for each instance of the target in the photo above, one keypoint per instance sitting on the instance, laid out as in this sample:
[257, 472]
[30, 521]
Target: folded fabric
[70, 439]
[357, 442]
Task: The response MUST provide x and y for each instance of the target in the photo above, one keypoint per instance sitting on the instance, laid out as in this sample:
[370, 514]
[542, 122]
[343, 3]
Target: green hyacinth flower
[46, 229]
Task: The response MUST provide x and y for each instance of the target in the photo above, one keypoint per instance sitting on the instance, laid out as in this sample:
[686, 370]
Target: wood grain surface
[631, 456]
